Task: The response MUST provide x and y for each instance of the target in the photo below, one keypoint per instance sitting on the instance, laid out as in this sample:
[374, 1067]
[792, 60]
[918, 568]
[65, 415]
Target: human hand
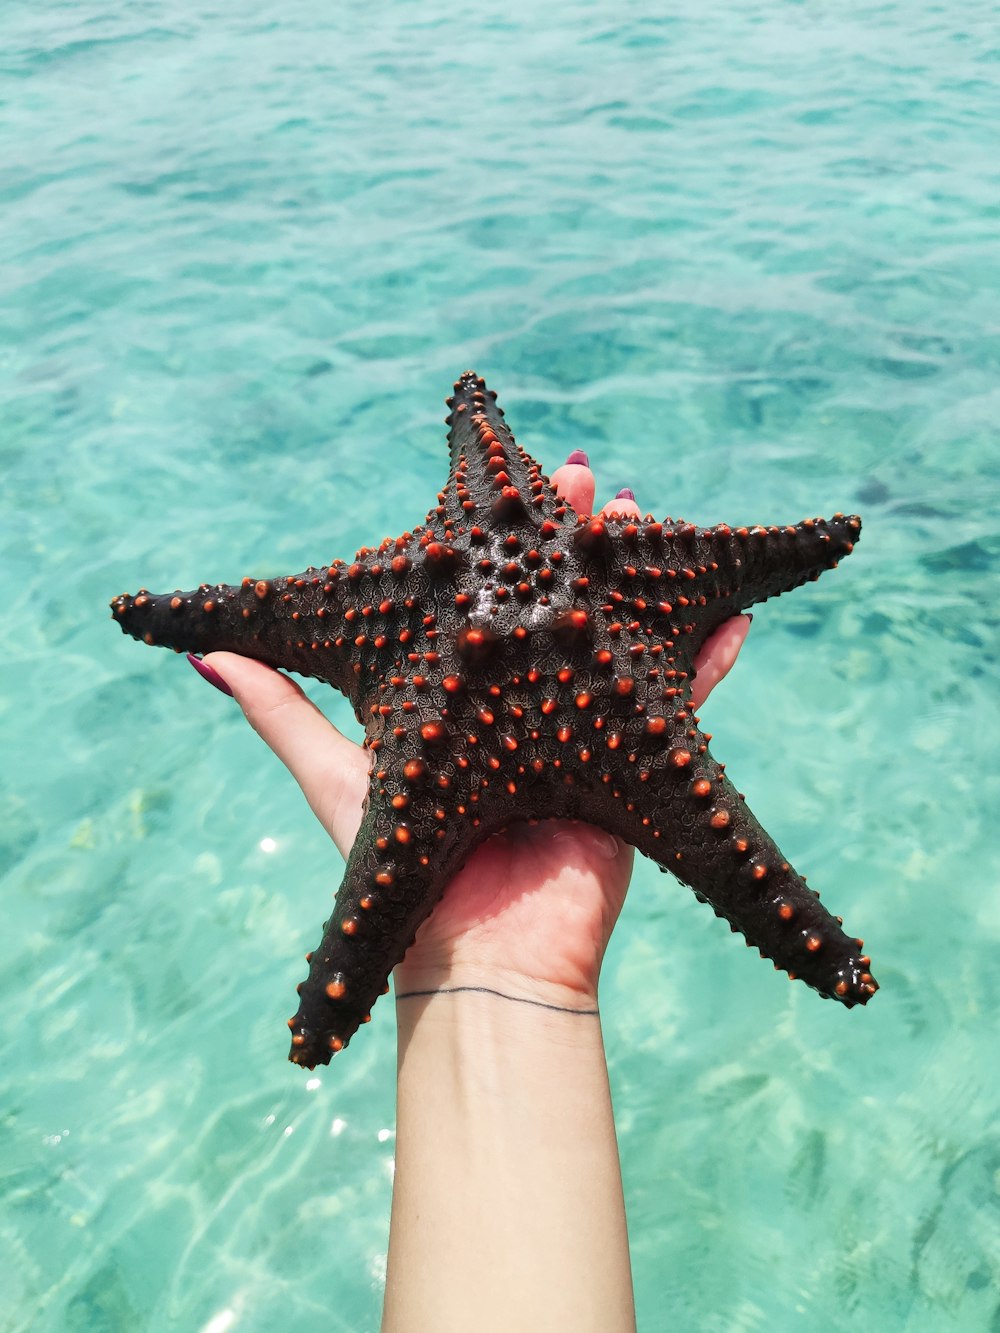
[532, 910]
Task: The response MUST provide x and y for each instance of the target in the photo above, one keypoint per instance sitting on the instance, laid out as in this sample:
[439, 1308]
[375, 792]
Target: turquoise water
[750, 264]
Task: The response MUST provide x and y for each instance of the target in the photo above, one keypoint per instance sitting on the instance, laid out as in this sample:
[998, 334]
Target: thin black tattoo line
[485, 990]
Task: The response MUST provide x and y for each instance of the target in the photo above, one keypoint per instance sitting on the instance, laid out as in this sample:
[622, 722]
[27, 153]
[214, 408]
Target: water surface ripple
[749, 262]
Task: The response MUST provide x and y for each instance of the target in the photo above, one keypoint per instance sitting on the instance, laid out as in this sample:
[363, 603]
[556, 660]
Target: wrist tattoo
[486, 990]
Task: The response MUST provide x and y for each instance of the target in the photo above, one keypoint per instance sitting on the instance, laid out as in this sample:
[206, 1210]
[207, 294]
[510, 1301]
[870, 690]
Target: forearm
[507, 1205]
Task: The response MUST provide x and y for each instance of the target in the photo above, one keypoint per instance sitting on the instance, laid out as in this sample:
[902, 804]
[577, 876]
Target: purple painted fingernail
[209, 673]
[626, 493]
[579, 457]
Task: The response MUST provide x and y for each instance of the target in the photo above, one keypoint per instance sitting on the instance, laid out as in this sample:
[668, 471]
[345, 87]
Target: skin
[507, 1204]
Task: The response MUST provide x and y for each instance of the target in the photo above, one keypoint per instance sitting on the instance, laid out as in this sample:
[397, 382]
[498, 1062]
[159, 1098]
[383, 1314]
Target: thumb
[717, 655]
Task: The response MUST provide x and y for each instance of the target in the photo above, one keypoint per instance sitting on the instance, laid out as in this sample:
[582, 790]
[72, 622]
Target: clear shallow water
[751, 266]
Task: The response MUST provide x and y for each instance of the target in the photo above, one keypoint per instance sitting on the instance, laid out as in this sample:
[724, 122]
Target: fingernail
[579, 457]
[209, 673]
[607, 845]
[626, 493]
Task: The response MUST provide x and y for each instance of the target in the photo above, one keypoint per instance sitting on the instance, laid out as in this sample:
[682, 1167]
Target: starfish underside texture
[511, 659]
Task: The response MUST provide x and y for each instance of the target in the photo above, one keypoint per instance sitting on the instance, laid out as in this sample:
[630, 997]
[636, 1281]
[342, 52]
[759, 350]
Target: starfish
[512, 659]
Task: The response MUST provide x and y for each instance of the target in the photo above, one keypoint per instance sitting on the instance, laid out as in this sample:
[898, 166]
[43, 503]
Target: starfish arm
[757, 563]
[412, 839]
[296, 622]
[670, 583]
[491, 480]
[697, 826]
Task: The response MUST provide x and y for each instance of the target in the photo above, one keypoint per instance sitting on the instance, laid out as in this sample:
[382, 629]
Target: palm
[537, 901]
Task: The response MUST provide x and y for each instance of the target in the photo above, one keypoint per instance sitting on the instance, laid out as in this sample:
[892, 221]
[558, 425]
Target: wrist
[423, 977]
[490, 1016]
[470, 1053]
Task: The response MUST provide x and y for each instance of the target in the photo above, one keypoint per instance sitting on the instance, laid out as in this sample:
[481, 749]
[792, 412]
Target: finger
[574, 482]
[717, 655]
[623, 505]
[331, 770]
